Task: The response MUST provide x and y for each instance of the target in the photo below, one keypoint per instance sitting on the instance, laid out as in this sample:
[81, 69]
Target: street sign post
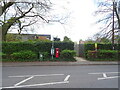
[96, 46]
[52, 52]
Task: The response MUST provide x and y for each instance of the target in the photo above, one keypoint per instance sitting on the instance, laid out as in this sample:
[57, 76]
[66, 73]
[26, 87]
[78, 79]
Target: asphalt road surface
[96, 76]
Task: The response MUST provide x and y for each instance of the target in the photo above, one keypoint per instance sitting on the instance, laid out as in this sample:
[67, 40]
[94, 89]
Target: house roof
[44, 35]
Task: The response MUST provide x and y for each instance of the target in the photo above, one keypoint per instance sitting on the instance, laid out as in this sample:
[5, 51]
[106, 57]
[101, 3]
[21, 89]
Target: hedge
[3, 55]
[11, 47]
[103, 55]
[24, 55]
[91, 47]
[102, 46]
[36, 47]
[67, 54]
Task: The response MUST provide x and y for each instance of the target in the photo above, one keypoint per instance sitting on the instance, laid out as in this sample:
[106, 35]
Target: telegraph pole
[113, 24]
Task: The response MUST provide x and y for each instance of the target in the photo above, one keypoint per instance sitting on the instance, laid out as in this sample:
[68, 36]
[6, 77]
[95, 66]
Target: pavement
[80, 61]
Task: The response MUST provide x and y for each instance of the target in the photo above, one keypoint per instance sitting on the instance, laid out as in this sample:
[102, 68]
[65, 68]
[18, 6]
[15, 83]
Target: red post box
[57, 52]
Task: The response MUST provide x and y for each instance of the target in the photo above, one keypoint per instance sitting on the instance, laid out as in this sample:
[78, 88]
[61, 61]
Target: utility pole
[113, 24]
[119, 21]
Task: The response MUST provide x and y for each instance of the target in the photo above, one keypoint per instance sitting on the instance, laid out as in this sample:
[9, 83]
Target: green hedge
[44, 55]
[103, 55]
[102, 46]
[9, 48]
[67, 54]
[24, 55]
[3, 55]
[91, 47]
[107, 54]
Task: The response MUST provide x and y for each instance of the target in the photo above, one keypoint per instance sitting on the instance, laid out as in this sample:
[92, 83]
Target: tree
[66, 39]
[12, 37]
[107, 9]
[101, 39]
[89, 41]
[24, 14]
[56, 39]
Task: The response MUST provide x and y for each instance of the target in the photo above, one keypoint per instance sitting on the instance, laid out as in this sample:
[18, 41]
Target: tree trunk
[4, 32]
[6, 26]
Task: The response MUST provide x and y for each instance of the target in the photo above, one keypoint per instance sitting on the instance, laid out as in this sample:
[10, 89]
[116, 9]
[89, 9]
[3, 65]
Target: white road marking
[32, 76]
[37, 75]
[104, 72]
[66, 79]
[104, 75]
[24, 81]
[108, 77]
[37, 84]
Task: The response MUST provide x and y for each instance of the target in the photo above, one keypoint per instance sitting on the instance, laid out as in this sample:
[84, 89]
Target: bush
[103, 55]
[107, 54]
[11, 47]
[67, 54]
[91, 47]
[24, 55]
[92, 54]
[3, 55]
[45, 55]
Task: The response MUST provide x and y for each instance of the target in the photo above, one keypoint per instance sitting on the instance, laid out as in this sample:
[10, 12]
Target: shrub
[38, 46]
[107, 54]
[91, 47]
[24, 55]
[45, 54]
[11, 47]
[3, 55]
[67, 54]
[92, 54]
[102, 46]
[103, 54]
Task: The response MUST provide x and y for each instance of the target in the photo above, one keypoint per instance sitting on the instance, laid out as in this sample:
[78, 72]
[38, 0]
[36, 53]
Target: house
[25, 37]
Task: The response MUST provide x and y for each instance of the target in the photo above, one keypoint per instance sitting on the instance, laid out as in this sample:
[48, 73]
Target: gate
[79, 48]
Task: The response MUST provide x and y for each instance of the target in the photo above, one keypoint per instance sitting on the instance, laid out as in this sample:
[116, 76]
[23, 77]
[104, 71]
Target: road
[86, 76]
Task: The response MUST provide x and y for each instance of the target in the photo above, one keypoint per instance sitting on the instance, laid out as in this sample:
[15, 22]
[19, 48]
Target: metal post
[52, 48]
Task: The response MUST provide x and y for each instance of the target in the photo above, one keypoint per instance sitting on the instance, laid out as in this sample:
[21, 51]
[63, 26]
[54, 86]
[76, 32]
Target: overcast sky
[80, 24]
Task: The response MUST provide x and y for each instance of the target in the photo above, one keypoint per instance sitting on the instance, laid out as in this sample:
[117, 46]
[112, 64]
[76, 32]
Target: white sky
[81, 23]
